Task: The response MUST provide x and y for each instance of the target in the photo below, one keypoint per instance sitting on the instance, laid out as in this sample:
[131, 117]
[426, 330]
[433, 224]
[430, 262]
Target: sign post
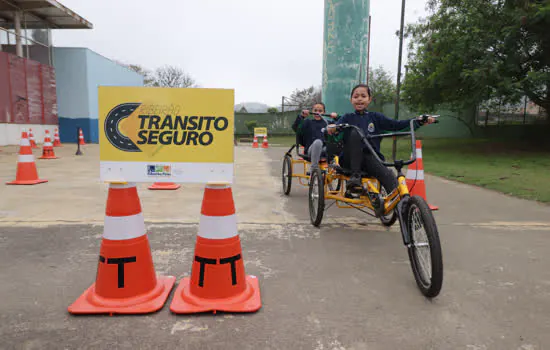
[180, 135]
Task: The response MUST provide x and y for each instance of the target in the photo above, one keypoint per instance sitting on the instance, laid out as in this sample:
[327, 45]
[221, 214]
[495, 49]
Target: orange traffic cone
[265, 144]
[164, 186]
[126, 282]
[31, 139]
[415, 176]
[255, 143]
[218, 281]
[26, 167]
[81, 138]
[56, 140]
[47, 151]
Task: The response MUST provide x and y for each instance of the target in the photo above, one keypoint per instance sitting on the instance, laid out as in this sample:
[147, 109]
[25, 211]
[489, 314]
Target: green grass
[286, 141]
[519, 169]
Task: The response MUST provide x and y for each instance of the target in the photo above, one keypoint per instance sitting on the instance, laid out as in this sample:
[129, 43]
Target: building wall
[10, 134]
[82, 72]
[72, 85]
[104, 72]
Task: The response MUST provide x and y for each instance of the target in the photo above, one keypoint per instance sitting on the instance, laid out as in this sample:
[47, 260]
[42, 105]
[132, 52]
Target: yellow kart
[418, 227]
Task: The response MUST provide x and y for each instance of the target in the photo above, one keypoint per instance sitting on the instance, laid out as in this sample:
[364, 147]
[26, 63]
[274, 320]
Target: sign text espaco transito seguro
[187, 130]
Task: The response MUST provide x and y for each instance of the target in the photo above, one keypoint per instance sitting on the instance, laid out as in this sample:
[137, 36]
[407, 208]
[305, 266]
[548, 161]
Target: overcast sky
[262, 49]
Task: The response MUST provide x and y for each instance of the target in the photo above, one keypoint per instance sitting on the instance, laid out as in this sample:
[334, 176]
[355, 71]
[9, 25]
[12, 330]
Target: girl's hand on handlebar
[334, 115]
[305, 113]
[426, 119]
[331, 129]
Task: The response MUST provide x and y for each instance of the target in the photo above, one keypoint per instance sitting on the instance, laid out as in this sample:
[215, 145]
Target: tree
[250, 125]
[305, 98]
[172, 76]
[272, 110]
[148, 79]
[471, 51]
[382, 86]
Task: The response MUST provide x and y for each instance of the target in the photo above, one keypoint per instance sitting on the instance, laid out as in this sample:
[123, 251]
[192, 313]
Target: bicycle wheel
[425, 248]
[316, 198]
[287, 174]
[389, 219]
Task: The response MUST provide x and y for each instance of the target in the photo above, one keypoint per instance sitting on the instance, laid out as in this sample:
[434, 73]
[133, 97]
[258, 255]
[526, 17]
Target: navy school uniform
[375, 123]
[311, 131]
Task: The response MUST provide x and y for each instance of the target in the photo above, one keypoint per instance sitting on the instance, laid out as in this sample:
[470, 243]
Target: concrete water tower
[345, 51]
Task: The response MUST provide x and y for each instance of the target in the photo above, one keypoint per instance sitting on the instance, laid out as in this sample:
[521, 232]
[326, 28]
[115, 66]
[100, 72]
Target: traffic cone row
[218, 281]
[48, 152]
[56, 140]
[26, 167]
[81, 138]
[415, 176]
[126, 282]
[164, 186]
[255, 144]
[31, 138]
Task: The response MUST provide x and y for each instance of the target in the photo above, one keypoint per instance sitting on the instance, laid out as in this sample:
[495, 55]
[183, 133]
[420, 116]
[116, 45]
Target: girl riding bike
[311, 132]
[356, 156]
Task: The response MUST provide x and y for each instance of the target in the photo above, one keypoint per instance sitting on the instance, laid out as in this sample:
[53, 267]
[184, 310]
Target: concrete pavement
[347, 285]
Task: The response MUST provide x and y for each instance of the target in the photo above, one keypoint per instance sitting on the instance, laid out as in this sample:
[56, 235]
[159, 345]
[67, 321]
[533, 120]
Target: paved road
[347, 285]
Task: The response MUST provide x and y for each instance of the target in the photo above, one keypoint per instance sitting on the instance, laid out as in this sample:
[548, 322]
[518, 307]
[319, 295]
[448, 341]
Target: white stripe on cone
[122, 185]
[418, 153]
[25, 142]
[48, 144]
[25, 158]
[415, 174]
[217, 186]
[119, 228]
[218, 227]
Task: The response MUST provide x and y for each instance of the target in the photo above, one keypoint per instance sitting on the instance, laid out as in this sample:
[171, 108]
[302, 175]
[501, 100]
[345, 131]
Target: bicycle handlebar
[322, 115]
[369, 146]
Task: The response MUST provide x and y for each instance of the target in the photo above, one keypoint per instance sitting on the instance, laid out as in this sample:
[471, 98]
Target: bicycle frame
[397, 200]
[372, 185]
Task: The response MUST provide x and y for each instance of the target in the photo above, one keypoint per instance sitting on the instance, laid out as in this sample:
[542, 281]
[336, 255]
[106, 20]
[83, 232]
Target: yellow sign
[260, 132]
[166, 134]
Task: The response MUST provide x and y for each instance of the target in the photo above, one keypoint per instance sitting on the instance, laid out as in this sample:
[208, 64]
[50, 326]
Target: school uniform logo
[371, 127]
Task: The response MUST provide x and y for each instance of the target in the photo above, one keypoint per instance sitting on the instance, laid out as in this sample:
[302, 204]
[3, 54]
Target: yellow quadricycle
[418, 227]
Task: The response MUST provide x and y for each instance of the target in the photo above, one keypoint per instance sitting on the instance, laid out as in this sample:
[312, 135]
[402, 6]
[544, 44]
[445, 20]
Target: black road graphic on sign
[112, 132]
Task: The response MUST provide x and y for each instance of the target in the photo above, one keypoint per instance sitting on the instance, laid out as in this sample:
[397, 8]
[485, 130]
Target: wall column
[18, 44]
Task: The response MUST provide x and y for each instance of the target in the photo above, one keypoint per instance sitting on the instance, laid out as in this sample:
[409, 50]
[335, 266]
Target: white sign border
[119, 171]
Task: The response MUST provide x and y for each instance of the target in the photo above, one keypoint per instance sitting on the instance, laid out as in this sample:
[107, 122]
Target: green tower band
[345, 51]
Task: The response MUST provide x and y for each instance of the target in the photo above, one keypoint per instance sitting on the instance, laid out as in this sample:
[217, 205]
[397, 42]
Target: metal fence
[525, 112]
[276, 123]
[27, 91]
[471, 122]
